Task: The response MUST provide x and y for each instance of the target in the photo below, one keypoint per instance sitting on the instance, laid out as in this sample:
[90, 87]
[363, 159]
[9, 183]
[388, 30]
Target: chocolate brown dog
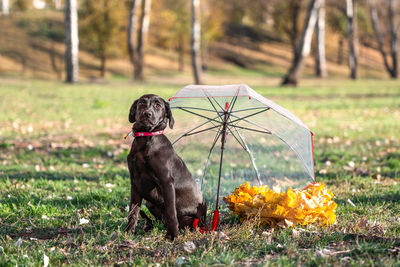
[158, 174]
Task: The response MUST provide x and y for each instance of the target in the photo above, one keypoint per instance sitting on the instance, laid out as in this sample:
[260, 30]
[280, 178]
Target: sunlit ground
[64, 183]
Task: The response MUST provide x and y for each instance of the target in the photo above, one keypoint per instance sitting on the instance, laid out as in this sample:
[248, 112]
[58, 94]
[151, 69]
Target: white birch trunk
[320, 62]
[304, 47]
[142, 38]
[195, 41]
[5, 10]
[71, 41]
[351, 35]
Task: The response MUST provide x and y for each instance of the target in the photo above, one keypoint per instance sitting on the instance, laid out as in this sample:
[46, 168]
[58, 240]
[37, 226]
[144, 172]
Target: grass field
[64, 184]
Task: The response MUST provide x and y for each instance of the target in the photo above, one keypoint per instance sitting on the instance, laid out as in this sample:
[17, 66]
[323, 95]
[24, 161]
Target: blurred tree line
[121, 28]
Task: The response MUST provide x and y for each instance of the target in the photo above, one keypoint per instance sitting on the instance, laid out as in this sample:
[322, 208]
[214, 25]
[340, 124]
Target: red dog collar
[140, 134]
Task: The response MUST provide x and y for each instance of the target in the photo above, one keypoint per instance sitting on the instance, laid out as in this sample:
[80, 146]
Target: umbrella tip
[226, 106]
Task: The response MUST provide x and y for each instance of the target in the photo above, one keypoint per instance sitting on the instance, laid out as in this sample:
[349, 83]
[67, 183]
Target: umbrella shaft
[223, 139]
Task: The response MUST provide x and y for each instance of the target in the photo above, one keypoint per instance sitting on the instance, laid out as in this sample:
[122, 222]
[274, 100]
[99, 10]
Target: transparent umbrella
[231, 134]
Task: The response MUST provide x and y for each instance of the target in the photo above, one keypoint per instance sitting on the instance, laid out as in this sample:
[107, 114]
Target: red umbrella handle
[214, 224]
[215, 220]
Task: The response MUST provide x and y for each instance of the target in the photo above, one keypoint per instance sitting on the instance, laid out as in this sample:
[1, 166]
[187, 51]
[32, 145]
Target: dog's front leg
[168, 192]
[134, 208]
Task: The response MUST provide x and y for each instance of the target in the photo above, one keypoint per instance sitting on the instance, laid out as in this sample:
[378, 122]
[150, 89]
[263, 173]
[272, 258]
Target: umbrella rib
[250, 115]
[298, 155]
[242, 145]
[208, 97]
[247, 149]
[219, 115]
[183, 135]
[253, 123]
[218, 112]
[204, 109]
[205, 117]
[189, 134]
[233, 101]
[246, 109]
[217, 103]
[209, 154]
[249, 129]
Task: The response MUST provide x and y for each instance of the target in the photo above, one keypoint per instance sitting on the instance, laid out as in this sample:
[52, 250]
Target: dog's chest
[143, 175]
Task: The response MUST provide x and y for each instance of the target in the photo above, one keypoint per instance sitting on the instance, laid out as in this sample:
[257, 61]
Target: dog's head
[150, 112]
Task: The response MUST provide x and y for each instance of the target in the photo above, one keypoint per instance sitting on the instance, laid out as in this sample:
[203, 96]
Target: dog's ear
[169, 115]
[132, 112]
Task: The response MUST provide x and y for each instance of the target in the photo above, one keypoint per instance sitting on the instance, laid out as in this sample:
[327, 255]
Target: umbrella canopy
[231, 134]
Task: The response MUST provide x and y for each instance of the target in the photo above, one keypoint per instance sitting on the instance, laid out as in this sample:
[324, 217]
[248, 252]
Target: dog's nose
[147, 114]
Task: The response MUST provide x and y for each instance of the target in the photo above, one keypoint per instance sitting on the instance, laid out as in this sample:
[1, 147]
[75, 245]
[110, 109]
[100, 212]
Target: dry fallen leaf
[68, 241]
[18, 243]
[101, 249]
[189, 247]
[114, 236]
[323, 252]
[295, 233]
[222, 236]
[373, 227]
[285, 209]
[127, 244]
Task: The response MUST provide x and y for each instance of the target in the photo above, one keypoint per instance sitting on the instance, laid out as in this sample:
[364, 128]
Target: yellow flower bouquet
[313, 204]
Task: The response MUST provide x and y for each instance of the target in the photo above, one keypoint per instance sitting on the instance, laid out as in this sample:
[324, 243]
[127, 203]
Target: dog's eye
[157, 106]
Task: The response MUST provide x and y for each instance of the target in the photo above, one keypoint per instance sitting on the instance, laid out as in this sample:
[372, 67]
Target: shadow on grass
[39, 233]
[100, 201]
[67, 155]
[388, 197]
[62, 176]
[47, 233]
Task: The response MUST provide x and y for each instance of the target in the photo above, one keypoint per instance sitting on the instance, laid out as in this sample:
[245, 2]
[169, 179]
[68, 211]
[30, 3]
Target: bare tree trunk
[181, 54]
[320, 56]
[195, 42]
[351, 34]
[103, 55]
[5, 7]
[295, 11]
[142, 36]
[378, 33]
[71, 41]
[131, 36]
[304, 47]
[393, 34]
[103, 60]
[340, 51]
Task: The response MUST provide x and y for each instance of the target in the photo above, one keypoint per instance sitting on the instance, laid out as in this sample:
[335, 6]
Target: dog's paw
[170, 237]
[172, 233]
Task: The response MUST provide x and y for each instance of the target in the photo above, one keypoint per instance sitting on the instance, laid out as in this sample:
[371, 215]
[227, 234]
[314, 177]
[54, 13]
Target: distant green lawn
[62, 160]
